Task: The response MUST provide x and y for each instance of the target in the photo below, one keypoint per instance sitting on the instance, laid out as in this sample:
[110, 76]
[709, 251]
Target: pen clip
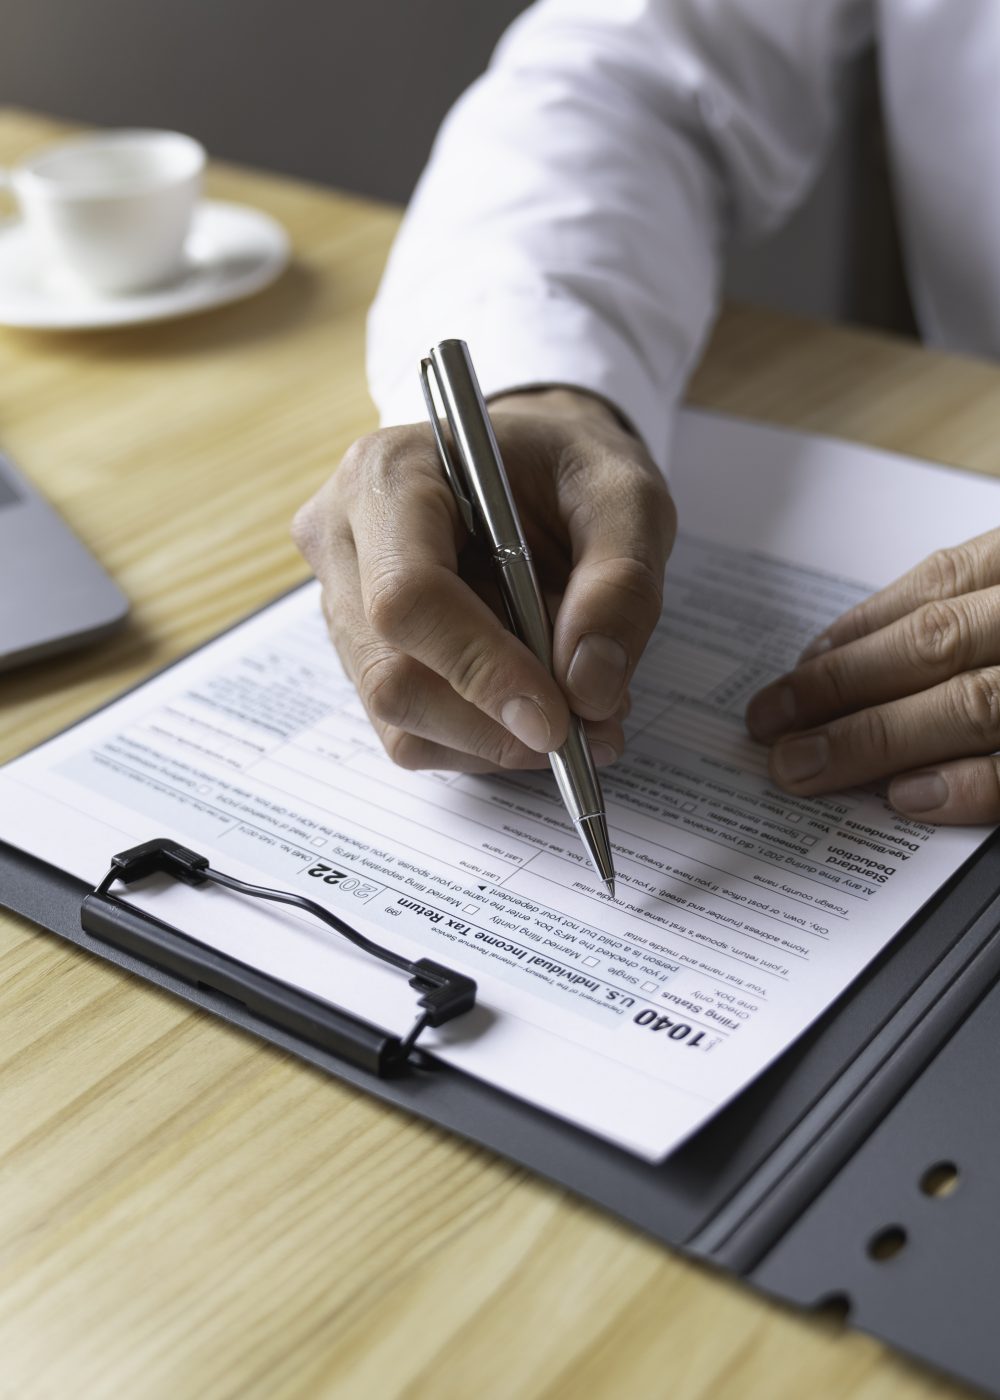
[451, 471]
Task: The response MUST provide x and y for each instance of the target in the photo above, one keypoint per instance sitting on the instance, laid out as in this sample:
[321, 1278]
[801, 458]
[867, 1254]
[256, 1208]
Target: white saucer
[233, 251]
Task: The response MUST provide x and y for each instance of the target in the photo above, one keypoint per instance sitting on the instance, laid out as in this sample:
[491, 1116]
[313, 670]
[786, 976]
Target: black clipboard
[822, 1184]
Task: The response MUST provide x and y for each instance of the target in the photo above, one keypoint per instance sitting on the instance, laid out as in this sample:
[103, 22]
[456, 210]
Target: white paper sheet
[742, 913]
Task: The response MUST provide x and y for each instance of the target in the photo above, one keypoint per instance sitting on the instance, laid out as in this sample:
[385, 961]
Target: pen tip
[609, 885]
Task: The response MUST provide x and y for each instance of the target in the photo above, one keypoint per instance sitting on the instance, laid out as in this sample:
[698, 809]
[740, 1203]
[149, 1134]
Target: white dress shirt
[573, 217]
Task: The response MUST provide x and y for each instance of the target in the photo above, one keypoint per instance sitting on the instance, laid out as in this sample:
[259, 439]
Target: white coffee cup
[112, 211]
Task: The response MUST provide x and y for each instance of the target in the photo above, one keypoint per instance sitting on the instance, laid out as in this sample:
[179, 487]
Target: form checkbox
[204, 788]
[470, 908]
[649, 987]
[794, 816]
[808, 840]
[318, 841]
[591, 962]
[687, 806]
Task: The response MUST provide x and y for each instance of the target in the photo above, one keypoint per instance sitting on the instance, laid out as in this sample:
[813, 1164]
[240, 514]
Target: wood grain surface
[188, 1212]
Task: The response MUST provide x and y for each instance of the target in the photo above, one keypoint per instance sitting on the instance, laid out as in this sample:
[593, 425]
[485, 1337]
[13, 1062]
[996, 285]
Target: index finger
[947, 573]
[930, 644]
[405, 537]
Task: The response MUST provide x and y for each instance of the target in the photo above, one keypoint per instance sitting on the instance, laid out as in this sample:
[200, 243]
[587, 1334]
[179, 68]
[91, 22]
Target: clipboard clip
[442, 994]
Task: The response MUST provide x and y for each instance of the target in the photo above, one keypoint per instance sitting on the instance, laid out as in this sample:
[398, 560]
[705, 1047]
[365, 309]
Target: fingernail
[603, 754]
[798, 759]
[597, 671]
[919, 792]
[771, 712]
[527, 722]
[816, 647]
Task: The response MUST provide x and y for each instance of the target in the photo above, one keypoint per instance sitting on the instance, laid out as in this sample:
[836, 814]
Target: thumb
[621, 523]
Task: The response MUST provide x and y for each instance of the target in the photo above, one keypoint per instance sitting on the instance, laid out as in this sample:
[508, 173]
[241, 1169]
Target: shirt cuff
[528, 342]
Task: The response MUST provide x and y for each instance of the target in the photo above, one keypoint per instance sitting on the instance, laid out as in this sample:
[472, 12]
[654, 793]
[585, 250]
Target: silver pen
[478, 479]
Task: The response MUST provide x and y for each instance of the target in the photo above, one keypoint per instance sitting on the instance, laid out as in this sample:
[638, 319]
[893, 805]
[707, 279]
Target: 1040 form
[742, 912]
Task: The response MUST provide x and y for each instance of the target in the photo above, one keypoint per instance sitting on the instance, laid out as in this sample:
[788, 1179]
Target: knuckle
[394, 600]
[321, 524]
[473, 674]
[362, 452]
[646, 487]
[856, 622]
[348, 481]
[398, 442]
[387, 687]
[573, 458]
[937, 634]
[598, 480]
[638, 590]
[641, 582]
[979, 703]
[947, 571]
[872, 735]
[385, 458]
[304, 527]
[827, 683]
[377, 461]
[383, 462]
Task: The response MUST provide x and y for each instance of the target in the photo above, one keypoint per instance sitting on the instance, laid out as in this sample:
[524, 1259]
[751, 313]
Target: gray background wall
[350, 93]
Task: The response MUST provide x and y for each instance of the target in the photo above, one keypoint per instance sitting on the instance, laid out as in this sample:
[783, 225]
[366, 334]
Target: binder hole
[834, 1309]
[887, 1243]
[939, 1180]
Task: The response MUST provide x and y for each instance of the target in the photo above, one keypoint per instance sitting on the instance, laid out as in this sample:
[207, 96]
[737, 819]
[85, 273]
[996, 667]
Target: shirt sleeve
[571, 220]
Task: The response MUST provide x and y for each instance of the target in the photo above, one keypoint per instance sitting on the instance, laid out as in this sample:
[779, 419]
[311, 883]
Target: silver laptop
[53, 593]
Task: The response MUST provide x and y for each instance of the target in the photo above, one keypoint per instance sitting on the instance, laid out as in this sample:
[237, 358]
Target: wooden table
[188, 1212]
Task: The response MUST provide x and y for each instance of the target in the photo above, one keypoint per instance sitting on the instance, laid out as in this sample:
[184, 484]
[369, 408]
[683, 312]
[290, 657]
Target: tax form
[742, 912]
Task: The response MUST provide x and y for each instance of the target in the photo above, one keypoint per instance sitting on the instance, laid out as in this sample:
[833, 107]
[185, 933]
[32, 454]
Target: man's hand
[908, 684]
[413, 610]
